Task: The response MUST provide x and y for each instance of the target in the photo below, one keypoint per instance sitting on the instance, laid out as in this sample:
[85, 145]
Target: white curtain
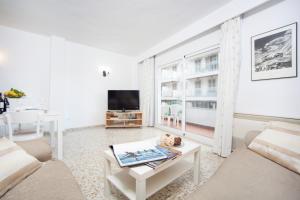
[227, 84]
[146, 87]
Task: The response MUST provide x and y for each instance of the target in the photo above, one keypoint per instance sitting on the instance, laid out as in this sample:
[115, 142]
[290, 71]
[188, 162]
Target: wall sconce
[105, 71]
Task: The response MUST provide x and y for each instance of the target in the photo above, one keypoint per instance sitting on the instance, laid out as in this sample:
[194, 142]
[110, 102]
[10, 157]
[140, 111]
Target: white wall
[58, 75]
[87, 89]
[278, 97]
[25, 64]
[203, 41]
[230, 10]
[62, 75]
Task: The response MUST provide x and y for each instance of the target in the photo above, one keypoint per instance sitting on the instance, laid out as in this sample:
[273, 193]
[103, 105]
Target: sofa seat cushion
[53, 181]
[15, 165]
[247, 175]
[39, 148]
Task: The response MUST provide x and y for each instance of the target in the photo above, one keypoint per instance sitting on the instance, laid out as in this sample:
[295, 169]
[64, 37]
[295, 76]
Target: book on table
[170, 152]
[141, 152]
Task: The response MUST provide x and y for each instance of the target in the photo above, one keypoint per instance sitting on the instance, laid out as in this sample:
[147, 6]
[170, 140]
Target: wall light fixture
[105, 71]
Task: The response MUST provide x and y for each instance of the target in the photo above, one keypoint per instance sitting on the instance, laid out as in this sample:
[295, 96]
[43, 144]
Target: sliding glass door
[171, 95]
[188, 97]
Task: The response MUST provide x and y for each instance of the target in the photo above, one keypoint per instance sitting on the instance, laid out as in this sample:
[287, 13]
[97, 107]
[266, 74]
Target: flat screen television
[123, 100]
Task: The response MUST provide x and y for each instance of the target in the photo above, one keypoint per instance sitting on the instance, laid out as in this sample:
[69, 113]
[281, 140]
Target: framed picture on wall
[274, 54]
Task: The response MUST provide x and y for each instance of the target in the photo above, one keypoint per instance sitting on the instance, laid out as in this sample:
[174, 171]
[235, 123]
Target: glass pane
[195, 66]
[201, 117]
[171, 113]
[171, 96]
[212, 87]
[171, 89]
[170, 73]
[211, 62]
[202, 64]
[201, 95]
[202, 87]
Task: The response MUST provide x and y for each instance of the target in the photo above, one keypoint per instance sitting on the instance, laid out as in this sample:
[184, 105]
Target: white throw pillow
[15, 165]
[280, 144]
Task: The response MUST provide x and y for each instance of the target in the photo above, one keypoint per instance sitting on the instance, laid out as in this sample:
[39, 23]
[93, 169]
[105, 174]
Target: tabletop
[47, 117]
[187, 148]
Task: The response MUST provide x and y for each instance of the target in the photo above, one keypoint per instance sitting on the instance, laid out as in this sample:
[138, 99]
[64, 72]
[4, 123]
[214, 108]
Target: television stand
[119, 119]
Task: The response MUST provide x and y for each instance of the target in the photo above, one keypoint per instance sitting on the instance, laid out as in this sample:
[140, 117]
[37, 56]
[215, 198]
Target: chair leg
[169, 121]
[175, 121]
[178, 122]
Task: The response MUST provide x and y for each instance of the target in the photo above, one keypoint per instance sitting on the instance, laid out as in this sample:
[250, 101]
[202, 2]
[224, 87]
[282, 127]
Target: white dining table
[56, 133]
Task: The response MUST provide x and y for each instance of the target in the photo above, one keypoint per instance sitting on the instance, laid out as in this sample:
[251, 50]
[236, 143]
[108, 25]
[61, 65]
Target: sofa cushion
[281, 146]
[15, 165]
[247, 175]
[250, 137]
[53, 181]
[39, 148]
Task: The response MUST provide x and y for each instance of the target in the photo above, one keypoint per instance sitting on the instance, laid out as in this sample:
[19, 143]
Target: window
[204, 104]
[212, 87]
[212, 62]
[198, 90]
[198, 84]
[198, 65]
[198, 99]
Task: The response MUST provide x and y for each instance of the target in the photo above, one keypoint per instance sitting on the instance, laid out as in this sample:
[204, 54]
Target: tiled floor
[193, 128]
[83, 153]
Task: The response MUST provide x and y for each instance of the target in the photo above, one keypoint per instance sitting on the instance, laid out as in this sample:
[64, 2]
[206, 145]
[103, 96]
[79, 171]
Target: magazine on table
[135, 153]
[170, 152]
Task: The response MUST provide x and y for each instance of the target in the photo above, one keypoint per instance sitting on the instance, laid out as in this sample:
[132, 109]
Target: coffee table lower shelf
[127, 184]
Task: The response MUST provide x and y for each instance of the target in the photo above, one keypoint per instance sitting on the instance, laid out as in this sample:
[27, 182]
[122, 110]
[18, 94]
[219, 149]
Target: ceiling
[128, 27]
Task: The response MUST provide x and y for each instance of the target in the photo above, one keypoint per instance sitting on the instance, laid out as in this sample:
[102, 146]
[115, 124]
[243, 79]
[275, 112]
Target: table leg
[197, 167]
[107, 172]
[59, 141]
[140, 187]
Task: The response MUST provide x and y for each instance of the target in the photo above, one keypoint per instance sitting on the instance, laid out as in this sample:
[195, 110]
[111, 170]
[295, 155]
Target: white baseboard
[83, 127]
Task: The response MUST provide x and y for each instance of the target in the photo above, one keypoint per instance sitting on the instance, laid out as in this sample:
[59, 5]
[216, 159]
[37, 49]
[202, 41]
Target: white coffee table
[138, 183]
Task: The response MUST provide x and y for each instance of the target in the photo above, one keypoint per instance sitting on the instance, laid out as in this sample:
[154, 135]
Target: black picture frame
[266, 37]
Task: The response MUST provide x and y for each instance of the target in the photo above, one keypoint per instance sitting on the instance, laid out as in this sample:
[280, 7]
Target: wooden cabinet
[123, 119]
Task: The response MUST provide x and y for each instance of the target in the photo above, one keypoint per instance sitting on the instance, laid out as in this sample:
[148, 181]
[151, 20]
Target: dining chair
[165, 113]
[176, 114]
[16, 121]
